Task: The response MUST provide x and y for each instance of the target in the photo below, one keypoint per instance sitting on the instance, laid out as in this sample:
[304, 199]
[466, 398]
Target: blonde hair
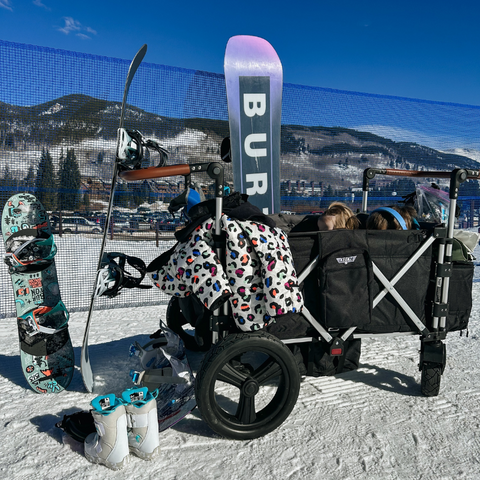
[385, 221]
[343, 217]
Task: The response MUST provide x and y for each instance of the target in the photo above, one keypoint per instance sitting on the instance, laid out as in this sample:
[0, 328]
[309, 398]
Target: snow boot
[142, 421]
[109, 445]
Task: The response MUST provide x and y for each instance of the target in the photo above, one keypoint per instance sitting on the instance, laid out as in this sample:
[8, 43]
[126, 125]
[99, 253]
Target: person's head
[391, 218]
[337, 215]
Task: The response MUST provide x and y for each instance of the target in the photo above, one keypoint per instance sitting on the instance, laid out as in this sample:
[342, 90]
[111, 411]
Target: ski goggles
[34, 251]
[46, 319]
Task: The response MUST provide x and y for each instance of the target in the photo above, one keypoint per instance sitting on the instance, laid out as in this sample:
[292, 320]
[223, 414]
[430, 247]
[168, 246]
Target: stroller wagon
[355, 284]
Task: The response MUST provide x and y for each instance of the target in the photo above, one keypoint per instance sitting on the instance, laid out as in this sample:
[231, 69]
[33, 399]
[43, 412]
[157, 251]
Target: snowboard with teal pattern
[46, 351]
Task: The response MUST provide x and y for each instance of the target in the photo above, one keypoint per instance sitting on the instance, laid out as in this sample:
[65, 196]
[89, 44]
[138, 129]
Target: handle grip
[155, 172]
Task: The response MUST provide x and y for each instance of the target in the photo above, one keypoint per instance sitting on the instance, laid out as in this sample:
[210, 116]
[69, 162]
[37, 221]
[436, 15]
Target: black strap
[78, 425]
[125, 278]
[41, 344]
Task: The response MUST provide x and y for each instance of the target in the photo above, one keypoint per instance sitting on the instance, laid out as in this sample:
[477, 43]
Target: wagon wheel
[430, 379]
[432, 367]
[247, 385]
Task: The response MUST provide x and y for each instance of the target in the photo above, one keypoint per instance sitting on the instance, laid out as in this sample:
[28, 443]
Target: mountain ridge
[336, 155]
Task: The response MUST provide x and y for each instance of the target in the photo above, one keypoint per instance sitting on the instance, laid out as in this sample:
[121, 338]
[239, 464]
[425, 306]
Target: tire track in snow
[353, 389]
[390, 350]
[333, 391]
[465, 405]
[445, 408]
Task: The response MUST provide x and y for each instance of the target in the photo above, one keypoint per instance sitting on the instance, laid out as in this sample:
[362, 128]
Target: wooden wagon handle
[155, 172]
[417, 173]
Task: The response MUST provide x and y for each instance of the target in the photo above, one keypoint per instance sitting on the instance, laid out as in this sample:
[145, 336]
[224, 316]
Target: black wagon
[355, 284]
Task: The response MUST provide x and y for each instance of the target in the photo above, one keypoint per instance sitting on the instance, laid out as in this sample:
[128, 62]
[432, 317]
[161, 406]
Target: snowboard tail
[46, 351]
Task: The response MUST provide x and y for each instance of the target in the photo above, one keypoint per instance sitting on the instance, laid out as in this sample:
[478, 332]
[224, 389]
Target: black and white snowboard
[254, 80]
[87, 373]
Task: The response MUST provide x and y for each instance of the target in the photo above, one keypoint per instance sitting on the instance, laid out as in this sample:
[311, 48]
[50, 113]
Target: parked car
[170, 224]
[156, 217]
[77, 225]
[143, 210]
[138, 222]
[121, 223]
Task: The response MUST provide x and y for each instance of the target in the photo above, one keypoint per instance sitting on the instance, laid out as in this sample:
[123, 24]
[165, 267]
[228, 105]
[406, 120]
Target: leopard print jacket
[259, 279]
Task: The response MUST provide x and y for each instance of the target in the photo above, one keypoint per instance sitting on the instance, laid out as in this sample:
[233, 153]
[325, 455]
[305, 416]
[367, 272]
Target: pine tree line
[56, 190]
[60, 190]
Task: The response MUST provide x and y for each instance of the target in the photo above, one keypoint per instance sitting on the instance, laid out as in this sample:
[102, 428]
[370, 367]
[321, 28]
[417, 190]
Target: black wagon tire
[431, 379]
[247, 385]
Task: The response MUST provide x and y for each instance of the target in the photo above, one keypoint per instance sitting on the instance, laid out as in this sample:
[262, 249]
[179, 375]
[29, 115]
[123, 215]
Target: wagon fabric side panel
[390, 250]
[460, 296]
[302, 237]
[304, 248]
[460, 289]
[339, 292]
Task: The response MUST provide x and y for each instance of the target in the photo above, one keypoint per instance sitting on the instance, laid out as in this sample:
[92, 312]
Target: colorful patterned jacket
[259, 278]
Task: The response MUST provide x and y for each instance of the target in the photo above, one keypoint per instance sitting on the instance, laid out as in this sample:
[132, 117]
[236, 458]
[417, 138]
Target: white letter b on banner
[254, 104]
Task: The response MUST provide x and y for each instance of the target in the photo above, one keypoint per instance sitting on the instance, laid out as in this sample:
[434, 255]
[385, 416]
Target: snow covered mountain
[334, 155]
[466, 152]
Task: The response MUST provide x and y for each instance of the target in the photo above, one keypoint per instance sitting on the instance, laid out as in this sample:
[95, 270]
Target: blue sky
[415, 49]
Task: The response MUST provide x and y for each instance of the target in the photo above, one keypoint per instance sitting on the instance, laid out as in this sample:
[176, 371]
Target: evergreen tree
[121, 197]
[140, 193]
[8, 185]
[328, 192]
[45, 184]
[86, 202]
[7, 179]
[29, 180]
[69, 180]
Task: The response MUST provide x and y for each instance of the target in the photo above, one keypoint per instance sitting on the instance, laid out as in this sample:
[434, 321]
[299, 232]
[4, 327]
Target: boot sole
[145, 455]
[112, 466]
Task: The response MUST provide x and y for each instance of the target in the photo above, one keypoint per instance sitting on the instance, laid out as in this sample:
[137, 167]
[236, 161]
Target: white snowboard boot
[109, 445]
[142, 421]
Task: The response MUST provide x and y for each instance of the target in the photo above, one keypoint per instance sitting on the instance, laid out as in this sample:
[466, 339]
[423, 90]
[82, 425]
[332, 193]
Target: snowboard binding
[131, 146]
[113, 276]
[29, 247]
[45, 319]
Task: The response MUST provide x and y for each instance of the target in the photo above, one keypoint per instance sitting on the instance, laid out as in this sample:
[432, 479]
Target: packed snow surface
[371, 423]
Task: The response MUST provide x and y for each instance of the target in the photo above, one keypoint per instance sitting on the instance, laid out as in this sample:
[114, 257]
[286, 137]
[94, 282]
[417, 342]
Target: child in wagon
[338, 215]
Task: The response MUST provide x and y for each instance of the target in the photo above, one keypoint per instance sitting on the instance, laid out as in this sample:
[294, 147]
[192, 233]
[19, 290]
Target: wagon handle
[154, 172]
[457, 176]
[370, 173]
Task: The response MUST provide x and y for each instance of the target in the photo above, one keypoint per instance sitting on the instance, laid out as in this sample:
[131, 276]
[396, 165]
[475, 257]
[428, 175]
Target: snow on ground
[371, 423]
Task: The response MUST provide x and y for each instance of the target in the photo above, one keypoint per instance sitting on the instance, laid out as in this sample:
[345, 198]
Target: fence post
[60, 226]
[472, 213]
